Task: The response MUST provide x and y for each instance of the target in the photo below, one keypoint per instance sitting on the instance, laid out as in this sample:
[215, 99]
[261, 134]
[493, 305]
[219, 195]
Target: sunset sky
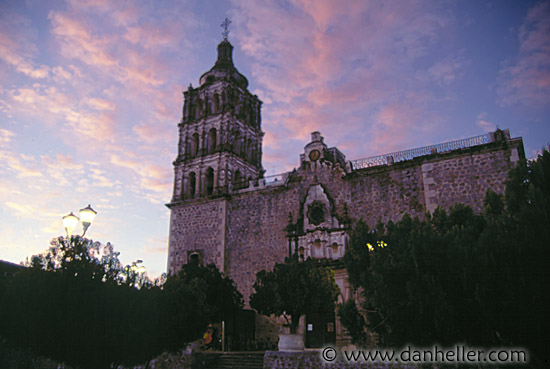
[91, 94]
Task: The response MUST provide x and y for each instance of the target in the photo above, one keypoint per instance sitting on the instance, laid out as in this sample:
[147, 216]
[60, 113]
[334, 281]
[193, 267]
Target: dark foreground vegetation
[459, 277]
[88, 312]
[295, 288]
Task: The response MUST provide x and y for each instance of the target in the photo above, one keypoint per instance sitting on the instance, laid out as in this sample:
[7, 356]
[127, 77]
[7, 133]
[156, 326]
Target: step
[238, 360]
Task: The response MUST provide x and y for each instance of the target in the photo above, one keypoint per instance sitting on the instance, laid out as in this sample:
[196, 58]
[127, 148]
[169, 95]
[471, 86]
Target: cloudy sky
[90, 95]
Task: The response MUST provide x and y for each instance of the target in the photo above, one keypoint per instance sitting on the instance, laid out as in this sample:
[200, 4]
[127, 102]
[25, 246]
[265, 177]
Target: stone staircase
[238, 360]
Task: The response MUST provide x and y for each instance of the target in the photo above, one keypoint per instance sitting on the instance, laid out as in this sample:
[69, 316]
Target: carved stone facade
[224, 211]
[220, 138]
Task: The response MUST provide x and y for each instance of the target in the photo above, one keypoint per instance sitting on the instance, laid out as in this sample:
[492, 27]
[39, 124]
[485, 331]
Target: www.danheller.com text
[434, 354]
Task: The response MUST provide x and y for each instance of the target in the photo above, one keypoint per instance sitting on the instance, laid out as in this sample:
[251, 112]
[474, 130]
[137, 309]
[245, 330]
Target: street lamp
[70, 221]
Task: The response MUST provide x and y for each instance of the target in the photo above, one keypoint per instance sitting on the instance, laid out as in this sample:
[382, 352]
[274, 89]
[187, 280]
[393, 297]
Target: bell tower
[220, 136]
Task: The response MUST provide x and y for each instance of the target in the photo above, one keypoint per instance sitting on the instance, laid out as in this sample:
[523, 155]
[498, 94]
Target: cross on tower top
[225, 24]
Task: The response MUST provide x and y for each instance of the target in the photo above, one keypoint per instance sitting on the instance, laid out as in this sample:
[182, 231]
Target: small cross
[225, 26]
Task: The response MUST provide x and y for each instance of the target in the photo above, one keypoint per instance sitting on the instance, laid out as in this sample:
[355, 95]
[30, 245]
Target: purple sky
[90, 95]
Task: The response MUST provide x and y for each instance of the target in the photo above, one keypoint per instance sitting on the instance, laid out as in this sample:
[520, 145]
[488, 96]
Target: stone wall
[465, 178]
[197, 226]
[313, 360]
[245, 232]
[386, 193]
[255, 234]
[422, 184]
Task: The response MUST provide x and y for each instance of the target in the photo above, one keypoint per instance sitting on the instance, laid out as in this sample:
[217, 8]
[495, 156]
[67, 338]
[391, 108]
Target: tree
[354, 321]
[76, 304]
[295, 288]
[462, 277]
[194, 297]
[72, 305]
[80, 257]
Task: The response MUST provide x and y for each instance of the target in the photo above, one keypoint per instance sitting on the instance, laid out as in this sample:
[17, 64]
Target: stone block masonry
[244, 232]
[198, 228]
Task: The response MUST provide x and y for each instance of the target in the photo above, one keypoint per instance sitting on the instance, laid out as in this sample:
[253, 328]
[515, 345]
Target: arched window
[237, 143]
[253, 155]
[224, 97]
[317, 249]
[192, 184]
[335, 250]
[249, 149]
[199, 109]
[241, 112]
[212, 140]
[237, 178]
[192, 110]
[194, 145]
[209, 181]
[194, 258]
[252, 117]
[216, 103]
[248, 114]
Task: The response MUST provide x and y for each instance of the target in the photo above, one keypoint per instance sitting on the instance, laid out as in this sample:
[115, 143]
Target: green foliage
[194, 297]
[295, 288]
[353, 320]
[80, 321]
[462, 277]
[81, 258]
[76, 304]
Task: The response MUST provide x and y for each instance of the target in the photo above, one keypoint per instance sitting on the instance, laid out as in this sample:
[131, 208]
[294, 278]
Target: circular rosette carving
[316, 212]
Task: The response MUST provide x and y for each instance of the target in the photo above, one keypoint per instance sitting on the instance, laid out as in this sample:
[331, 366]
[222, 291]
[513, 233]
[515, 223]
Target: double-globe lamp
[70, 221]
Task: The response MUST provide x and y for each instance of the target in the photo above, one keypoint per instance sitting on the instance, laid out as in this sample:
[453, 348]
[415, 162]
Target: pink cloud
[526, 78]
[448, 70]
[345, 66]
[22, 210]
[61, 74]
[62, 168]
[17, 48]
[22, 169]
[57, 108]
[100, 180]
[483, 123]
[125, 41]
[97, 127]
[102, 52]
[39, 100]
[152, 177]
[6, 136]
[155, 246]
[100, 104]
[62, 161]
[151, 133]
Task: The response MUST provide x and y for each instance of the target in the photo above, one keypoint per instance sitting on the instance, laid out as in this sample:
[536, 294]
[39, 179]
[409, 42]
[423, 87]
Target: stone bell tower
[220, 136]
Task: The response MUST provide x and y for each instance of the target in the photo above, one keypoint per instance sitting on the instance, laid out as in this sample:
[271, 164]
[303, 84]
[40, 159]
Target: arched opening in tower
[209, 181]
[192, 184]
[212, 140]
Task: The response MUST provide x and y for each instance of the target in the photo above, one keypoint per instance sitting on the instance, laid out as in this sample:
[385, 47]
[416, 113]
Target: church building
[225, 211]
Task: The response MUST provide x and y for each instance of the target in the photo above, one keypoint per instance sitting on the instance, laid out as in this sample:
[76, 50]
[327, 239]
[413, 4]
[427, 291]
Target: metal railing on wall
[272, 180]
[394, 157]
[404, 155]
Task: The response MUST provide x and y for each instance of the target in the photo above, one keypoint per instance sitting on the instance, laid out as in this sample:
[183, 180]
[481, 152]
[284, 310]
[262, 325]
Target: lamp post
[70, 221]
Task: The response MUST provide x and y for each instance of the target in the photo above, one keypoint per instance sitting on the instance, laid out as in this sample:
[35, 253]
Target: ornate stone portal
[322, 235]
